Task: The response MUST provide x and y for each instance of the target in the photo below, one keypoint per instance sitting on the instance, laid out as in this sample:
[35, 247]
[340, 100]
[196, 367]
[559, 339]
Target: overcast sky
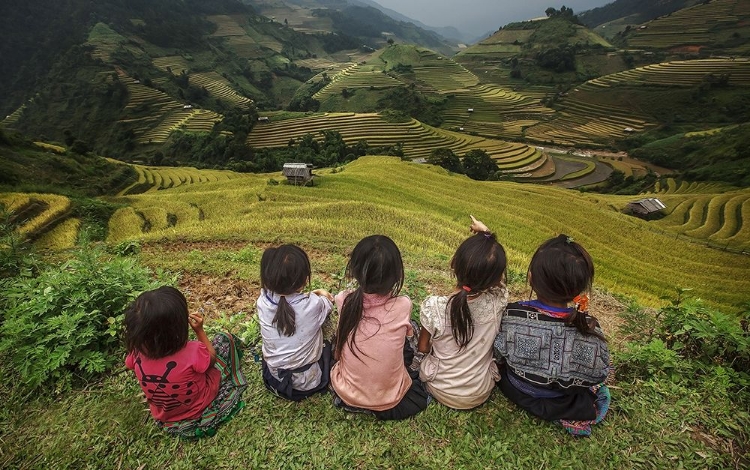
[477, 17]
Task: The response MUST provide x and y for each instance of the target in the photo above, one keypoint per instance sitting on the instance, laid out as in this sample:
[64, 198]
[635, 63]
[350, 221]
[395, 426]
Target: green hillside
[212, 228]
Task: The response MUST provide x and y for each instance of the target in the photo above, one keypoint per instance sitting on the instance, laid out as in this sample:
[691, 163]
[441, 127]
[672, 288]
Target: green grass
[651, 425]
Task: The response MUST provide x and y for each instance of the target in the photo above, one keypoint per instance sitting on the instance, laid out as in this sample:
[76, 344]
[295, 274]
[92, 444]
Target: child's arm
[424, 341]
[196, 323]
[323, 293]
[477, 226]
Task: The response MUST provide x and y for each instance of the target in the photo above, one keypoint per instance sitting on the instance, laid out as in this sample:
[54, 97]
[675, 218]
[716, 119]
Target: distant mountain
[362, 19]
[447, 32]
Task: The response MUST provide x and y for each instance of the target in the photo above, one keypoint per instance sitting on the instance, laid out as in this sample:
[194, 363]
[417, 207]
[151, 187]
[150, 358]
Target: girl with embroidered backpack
[555, 354]
[455, 340]
[296, 361]
[371, 345]
[191, 386]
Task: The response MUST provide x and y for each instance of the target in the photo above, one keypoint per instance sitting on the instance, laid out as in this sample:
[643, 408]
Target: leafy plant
[66, 322]
[707, 335]
[241, 324]
[16, 257]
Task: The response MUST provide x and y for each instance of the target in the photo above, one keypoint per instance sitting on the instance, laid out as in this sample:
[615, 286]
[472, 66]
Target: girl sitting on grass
[556, 357]
[455, 340]
[191, 386]
[296, 361]
[371, 339]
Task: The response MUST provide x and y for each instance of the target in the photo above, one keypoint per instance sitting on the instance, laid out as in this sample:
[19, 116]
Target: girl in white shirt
[296, 360]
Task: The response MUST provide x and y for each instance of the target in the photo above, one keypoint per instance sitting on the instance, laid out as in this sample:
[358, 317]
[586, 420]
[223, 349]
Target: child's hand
[477, 226]
[196, 321]
[323, 293]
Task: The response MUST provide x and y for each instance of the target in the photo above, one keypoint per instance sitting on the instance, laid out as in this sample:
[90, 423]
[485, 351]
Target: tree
[478, 165]
[445, 158]
[390, 41]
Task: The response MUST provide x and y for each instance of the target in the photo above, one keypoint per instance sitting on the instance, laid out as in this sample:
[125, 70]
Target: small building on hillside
[647, 208]
[298, 174]
[262, 118]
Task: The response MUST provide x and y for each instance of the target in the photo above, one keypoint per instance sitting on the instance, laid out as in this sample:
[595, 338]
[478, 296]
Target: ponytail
[460, 315]
[583, 322]
[284, 320]
[351, 314]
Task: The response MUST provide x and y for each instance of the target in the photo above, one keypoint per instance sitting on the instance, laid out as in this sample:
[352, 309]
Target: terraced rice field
[691, 26]
[355, 77]
[61, 237]
[245, 41]
[157, 178]
[424, 209]
[719, 217]
[175, 64]
[13, 117]
[672, 186]
[155, 114]
[105, 41]
[504, 43]
[220, 88]
[36, 212]
[418, 139]
[441, 73]
[584, 121]
[684, 73]
[216, 85]
[496, 112]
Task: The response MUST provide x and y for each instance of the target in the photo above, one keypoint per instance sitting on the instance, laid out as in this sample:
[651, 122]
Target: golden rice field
[418, 139]
[679, 73]
[698, 25]
[712, 212]
[44, 211]
[425, 210]
[155, 178]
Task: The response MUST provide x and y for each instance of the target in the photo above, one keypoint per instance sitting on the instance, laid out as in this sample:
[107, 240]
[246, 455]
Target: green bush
[710, 336]
[685, 342]
[66, 322]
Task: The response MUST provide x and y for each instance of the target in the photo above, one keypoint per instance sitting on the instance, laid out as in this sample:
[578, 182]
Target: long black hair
[560, 270]
[156, 323]
[376, 265]
[284, 271]
[478, 264]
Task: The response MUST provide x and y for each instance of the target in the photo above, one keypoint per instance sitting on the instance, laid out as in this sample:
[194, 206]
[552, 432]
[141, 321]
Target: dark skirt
[283, 385]
[228, 401]
[416, 399]
[576, 403]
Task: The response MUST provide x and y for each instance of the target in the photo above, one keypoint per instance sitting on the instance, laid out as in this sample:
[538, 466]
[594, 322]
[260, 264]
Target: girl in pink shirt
[371, 344]
[191, 386]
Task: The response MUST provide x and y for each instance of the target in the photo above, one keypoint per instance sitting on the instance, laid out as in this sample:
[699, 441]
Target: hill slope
[425, 211]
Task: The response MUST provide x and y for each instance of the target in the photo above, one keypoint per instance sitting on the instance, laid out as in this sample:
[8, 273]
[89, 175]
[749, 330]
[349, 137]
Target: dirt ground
[217, 295]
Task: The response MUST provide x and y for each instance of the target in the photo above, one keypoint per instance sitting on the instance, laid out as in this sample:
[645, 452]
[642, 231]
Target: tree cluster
[476, 164]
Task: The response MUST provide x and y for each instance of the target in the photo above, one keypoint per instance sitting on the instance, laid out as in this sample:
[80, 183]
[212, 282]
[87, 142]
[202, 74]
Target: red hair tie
[466, 288]
[582, 302]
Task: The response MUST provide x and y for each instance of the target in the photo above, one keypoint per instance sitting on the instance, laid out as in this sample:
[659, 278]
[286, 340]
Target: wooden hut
[646, 208]
[298, 174]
